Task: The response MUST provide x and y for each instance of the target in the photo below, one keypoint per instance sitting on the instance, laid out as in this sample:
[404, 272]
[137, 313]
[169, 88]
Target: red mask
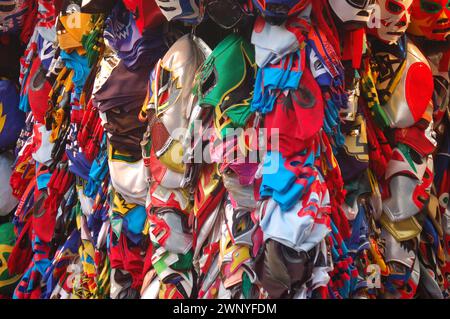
[431, 19]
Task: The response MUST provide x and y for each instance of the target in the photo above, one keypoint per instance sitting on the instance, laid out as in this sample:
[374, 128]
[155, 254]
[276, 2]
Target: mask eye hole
[163, 89]
[208, 83]
[394, 7]
[430, 7]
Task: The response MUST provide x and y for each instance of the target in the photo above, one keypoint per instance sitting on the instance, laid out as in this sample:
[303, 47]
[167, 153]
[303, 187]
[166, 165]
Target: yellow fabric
[404, 230]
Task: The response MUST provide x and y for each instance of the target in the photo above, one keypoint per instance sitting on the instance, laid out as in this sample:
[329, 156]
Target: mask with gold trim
[172, 97]
[225, 82]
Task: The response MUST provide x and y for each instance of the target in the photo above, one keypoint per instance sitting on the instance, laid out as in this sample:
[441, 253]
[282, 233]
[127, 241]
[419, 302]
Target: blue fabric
[279, 182]
[12, 119]
[271, 80]
[79, 64]
[42, 179]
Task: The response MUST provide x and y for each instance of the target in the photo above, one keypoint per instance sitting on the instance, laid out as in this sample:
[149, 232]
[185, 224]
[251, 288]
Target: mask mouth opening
[363, 13]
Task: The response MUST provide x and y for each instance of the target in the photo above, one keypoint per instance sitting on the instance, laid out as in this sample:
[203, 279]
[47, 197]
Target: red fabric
[128, 258]
[147, 13]
[353, 47]
[38, 99]
[30, 20]
[415, 138]
[22, 254]
[297, 117]
[44, 224]
[23, 172]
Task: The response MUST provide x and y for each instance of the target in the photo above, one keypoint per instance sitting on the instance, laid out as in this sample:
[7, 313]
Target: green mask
[226, 80]
[7, 240]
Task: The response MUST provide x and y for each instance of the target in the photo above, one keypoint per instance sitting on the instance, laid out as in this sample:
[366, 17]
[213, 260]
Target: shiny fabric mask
[394, 251]
[169, 229]
[406, 161]
[395, 19]
[353, 11]
[431, 19]
[281, 269]
[240, 224]
[172, 96]
[71, 29]
[12, 119]
[408, 196]
[7, 201]
[411, 96]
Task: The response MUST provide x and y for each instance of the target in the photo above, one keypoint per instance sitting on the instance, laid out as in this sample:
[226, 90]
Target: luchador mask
[431, 19]
[356, 12]
[240, 224]
[409, 191]
[182, 10]
[277, 11]
[169, 229]
[395, 18]
[226, 80]
[174, 78]
[409, 83]
[7, 240]
[121, 32]
[11, 15]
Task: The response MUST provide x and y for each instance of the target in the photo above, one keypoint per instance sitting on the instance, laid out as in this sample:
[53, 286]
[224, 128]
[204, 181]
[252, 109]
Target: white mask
[395, 16]
[353, 11]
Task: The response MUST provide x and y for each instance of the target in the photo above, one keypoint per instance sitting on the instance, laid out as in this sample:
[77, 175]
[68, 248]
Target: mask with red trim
[409, 192]
[431, 19]
[411, 82]
[357, 12]
[395, 18]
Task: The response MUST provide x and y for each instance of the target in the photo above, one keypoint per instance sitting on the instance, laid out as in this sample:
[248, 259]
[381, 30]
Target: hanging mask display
[213, 149]
[395, 18]
[430, 19]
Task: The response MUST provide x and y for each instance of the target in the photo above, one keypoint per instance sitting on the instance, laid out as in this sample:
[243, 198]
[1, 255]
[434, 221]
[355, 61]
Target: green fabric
[226, 80]
[184, 261]
[246, 286]
[7, 240]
